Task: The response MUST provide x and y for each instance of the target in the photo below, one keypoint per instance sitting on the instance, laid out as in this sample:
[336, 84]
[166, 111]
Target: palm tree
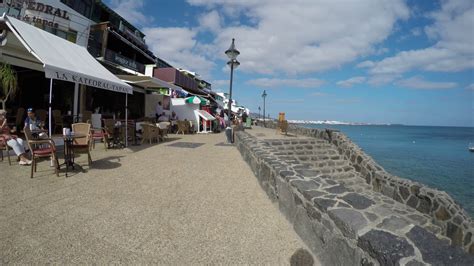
[8, 83]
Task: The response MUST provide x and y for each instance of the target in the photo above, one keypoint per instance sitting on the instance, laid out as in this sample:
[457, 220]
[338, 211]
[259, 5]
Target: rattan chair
[183, 127]
[4, 147]
[82, 145]
[41, 148]
[150, 132]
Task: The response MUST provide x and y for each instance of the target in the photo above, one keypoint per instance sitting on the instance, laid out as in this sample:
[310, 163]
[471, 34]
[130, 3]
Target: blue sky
[374, 61]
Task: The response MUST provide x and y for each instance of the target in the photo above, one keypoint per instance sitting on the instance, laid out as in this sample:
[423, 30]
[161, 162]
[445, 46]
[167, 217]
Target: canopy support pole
[76, 102]
[126, 120]
[50, 100]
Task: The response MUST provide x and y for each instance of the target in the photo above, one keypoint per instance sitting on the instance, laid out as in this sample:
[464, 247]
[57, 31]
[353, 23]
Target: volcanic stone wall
[341, 218]
[451, 218]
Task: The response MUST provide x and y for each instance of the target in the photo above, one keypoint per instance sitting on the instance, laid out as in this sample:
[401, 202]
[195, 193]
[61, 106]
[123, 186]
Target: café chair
[164, 129]
[109, 127]
[101, 135]
[82, 144]
[131, 134]
[183, 127]
[150, 132]
[41, 148]
[6, 148]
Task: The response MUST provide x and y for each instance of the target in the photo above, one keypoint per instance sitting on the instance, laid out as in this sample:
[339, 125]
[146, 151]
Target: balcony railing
[126, 62]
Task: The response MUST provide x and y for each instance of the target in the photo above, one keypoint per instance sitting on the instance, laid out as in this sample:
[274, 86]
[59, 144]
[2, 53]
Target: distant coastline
[335, 122]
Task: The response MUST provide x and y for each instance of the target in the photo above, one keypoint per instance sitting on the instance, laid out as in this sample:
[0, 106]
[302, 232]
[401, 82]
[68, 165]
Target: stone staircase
[328, 200]
[320, 161]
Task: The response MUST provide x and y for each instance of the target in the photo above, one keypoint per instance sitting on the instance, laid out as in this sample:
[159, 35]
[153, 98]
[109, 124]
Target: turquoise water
[436, 156]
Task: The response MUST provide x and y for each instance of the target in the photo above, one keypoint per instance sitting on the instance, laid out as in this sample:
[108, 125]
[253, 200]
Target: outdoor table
[68, 150]
[36, 132]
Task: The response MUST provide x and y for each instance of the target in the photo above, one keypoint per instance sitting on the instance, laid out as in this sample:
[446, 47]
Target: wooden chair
[6, 148]
[82, 145]
[150, 132]
[130, 131]
[42, 115]
[99, 134]
[41, 148]
[183, 127]
[86, 116]
[109, 125]
[164, 129]
[58, 120]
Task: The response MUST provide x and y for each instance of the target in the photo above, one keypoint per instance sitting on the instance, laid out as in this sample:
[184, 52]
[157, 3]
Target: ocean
[435, 156]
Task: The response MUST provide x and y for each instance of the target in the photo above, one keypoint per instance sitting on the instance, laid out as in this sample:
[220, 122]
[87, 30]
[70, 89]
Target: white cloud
[453, 51]
[210, 21]
[289, 83]
[421, 84]
[178, 47]
[470, 87]
[131, 11]
[350, 82]
[302, 36]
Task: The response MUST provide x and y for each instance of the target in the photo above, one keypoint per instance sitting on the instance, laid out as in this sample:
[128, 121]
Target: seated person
[174, 116]
[14, 142]
[163, 118]
[34, 123]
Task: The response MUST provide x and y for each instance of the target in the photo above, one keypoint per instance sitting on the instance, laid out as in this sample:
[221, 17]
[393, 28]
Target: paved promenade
[192, 203]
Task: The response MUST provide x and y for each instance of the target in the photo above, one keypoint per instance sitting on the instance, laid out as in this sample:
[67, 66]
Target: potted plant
[8, 83]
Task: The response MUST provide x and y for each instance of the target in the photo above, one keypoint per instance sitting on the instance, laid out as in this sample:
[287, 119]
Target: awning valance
[64, 60]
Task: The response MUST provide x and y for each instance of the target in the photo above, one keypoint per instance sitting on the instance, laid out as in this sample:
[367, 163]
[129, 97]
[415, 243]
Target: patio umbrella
[196, 100]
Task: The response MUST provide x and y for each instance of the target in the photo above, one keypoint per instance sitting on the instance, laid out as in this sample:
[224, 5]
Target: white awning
[64, 60]
[205, 115]
[149, 82]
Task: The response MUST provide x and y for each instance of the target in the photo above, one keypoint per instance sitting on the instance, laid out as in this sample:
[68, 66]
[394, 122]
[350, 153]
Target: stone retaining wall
[341, 219]
[453, 220]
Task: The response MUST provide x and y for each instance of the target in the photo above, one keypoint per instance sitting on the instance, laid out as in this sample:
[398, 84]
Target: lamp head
[264, 94]
[232, 53]
[234, 63]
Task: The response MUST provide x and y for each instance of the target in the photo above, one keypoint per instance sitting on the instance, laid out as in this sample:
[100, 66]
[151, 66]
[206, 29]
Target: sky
[371, 61]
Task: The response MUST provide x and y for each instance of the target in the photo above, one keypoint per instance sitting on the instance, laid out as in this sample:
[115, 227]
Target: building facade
[50, 15]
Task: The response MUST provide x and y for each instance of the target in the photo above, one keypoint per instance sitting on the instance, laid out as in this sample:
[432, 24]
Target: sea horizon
[375, 124]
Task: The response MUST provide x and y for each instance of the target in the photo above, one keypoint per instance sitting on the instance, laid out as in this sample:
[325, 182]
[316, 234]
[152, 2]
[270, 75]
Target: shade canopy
[64, 60]
[148, 82]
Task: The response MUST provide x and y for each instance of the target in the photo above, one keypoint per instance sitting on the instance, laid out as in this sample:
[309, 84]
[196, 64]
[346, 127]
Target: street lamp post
[232, 53]
[259, 113]
[264, 95]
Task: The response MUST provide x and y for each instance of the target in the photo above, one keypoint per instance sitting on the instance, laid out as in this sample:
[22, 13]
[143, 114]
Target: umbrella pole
[126, 119]
[50, 100]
